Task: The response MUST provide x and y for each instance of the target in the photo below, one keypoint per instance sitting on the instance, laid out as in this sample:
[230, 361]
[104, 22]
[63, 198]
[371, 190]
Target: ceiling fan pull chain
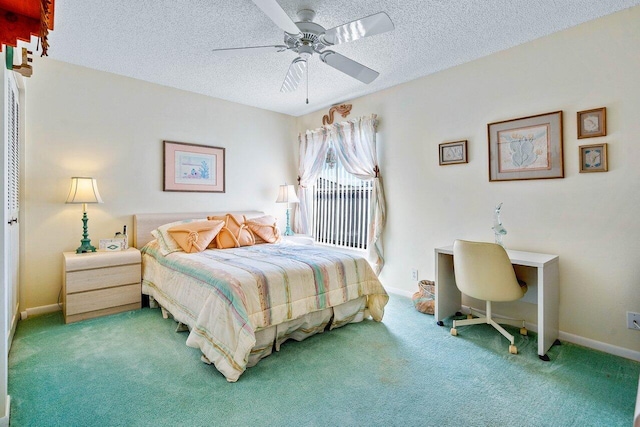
[307, 81]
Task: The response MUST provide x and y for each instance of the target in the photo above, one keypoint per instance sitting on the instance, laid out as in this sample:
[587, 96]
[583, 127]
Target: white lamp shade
[83, 190]
[287, 194]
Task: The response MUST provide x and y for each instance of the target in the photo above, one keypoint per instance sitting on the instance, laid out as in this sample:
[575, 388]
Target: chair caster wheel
[523, 331]
[440, 323]
[454, 331]
[513, 349]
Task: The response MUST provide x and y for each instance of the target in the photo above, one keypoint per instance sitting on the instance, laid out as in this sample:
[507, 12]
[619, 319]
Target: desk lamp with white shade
[287, 194]
[84, 190]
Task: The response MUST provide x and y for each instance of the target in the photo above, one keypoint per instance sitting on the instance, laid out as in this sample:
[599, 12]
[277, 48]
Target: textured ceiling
[170, 42]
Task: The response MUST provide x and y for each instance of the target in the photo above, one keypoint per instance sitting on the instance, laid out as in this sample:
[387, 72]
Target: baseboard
[35, 311]
[601, 346]
[401, 292]
[4, 421]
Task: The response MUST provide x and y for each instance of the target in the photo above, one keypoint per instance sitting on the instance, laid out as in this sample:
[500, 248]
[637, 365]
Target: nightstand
[299, 239]
[100, 283]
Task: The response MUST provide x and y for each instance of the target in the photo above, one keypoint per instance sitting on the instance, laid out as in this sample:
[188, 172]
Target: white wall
[82, 122]
[590, 220]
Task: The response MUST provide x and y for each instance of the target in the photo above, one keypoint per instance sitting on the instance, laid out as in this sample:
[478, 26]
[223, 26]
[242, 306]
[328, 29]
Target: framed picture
[526, 148]
[453, 152]
[593, 158]
[592, 123]
[191, 167]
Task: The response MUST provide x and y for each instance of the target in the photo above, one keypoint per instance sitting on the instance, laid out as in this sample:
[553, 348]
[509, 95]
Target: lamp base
[85, 247]
[85, 241]
[287, 231]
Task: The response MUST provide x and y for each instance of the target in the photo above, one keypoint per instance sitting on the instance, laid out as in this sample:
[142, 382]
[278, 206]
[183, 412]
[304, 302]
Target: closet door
[12, 203]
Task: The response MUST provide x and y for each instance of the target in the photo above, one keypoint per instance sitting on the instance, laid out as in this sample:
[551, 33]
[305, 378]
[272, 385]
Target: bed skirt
[271, 338]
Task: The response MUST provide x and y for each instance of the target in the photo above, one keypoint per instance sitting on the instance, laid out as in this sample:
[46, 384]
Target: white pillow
[167, 243]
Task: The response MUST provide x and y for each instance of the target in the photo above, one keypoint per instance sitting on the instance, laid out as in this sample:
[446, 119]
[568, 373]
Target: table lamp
[287, 194]
[84, 190]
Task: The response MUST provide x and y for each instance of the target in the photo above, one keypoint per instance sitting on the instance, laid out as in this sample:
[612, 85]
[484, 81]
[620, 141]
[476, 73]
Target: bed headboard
[144, 224]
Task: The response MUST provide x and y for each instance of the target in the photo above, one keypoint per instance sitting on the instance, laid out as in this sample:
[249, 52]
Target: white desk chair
[484, 271]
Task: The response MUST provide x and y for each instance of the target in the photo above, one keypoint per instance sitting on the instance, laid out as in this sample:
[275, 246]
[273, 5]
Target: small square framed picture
[593, 158]
[453, 152]
[592, 123]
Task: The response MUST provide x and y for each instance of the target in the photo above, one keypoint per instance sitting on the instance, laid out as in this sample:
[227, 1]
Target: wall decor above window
[342, 109]
[192, 167]
[592, 123]
[526, 148]
[593, 158]
[453, 152]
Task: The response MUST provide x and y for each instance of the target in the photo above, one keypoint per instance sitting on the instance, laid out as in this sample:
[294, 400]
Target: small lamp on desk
[84, 190]
[287, 194]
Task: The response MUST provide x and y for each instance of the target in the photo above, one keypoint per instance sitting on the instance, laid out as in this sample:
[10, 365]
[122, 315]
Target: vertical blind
[340, 207]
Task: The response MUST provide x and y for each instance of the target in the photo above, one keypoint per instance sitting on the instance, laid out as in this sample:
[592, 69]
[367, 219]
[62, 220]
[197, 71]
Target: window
[340, 206]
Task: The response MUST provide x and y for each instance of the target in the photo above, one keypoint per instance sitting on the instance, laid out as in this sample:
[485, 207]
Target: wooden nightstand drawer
[88, 280]
[103, 298]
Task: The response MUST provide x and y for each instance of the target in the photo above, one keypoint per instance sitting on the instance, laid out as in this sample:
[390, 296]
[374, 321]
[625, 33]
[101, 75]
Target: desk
[545, 272]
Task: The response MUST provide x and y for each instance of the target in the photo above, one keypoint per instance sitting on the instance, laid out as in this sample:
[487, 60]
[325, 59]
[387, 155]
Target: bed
[240, 304]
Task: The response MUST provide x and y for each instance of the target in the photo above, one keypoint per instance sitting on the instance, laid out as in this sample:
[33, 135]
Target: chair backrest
[484, 271]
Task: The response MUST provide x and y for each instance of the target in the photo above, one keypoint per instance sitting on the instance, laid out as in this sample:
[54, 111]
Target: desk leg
[548, 294]
[448, 298]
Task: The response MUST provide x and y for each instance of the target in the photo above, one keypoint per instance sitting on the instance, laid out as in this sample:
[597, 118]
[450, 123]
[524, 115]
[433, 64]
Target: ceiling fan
[306, 38]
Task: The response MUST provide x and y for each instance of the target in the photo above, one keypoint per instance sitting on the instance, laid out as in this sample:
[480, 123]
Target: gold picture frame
[452, 153]
[592, 123]
[526, 148]
[593, 158]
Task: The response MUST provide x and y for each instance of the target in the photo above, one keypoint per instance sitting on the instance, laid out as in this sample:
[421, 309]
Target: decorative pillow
[235, 232]
[265, 228]
[194, 237]
[165, 241]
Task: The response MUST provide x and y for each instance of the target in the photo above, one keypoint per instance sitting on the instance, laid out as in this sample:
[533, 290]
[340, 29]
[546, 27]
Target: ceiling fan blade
[349, 66]
[365, 27]
[240, 51]
[272, 9]
[294, 75]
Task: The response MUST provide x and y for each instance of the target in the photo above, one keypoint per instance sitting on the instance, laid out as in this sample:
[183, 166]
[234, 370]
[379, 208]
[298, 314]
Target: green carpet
[132, 369]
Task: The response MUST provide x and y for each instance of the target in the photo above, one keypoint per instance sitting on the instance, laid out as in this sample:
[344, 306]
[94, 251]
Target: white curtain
[312, 154]
[355, 145]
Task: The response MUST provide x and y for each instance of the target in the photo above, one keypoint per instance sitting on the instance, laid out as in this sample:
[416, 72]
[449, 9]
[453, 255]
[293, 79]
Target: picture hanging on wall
[592, 123]
[593, 158]
[453, 152]
[526, 148]
[192, 167]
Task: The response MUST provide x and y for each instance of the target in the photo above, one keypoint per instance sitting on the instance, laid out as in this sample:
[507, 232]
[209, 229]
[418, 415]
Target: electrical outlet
[414, 274]
[633, 320]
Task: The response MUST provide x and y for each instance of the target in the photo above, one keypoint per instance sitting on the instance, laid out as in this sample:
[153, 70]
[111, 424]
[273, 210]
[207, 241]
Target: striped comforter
[225, 296]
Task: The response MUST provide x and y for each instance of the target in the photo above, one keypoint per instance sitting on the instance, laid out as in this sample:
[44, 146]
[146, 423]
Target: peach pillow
[196, 236]
[234, 234]
[165, 241]
[265, 227]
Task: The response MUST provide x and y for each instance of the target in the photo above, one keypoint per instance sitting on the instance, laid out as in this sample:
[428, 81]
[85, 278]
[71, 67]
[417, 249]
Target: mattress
[240, 303]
